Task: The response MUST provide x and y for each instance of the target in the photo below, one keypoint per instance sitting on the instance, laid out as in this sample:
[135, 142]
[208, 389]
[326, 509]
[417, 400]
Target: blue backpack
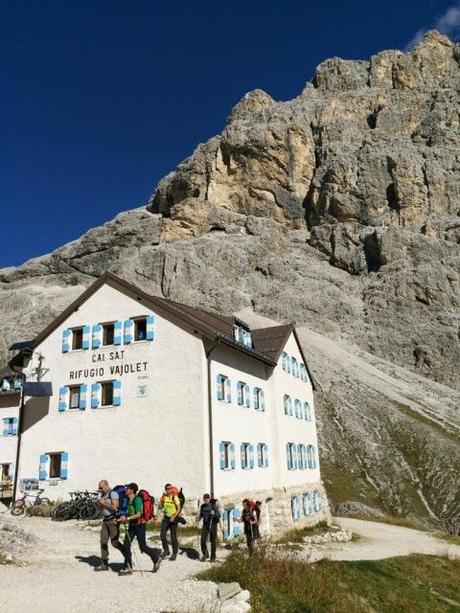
[122, 500]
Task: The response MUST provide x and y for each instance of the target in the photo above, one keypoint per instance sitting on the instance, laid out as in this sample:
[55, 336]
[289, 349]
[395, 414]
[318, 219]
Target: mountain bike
[28, 500]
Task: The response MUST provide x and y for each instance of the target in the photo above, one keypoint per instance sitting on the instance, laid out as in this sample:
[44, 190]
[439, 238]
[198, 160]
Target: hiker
[108, 503]
[136, 528]
[249, 519]
[256, 527]
[170, 504]
[210, 514]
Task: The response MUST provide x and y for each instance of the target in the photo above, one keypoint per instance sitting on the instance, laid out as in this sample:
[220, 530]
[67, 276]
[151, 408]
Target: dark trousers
[209, 530]
[137, 531]
[110, 531]
[249, 533]
[172, 526]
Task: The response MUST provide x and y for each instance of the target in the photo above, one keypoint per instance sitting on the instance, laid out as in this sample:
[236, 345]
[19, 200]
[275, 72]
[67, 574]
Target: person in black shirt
[256, 527]
[210, 514]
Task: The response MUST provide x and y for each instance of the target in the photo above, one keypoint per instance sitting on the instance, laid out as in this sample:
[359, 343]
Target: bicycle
[28, 500]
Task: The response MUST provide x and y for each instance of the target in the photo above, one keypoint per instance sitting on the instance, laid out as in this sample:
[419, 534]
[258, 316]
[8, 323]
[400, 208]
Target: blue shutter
[259, 454]
[239, 388]
[63, 398]
[96, 337]
[266, 454]
[220, 387]
[17, 384]
[288, 457]
[242, 455]
[117, 393]
[247, 391]
[66, 341]
[293, 511]
[236, 527]
[226, 524]
[14, 427]
[294, 457]
[232, 451]
[43, 473]
[262, 400]
[150, 328]
[86, 337]
[222, 456]
[313, 456]
[5, 385]
[64, 464]
[229, 391]
[286, 412]
[117, 332]
[83, 396]
[251, 456]
[6, 426]
[95, 395]
[129, 331]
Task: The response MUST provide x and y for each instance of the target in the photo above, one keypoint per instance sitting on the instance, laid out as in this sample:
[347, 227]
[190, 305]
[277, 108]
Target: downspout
[19, 435]
[211, 441]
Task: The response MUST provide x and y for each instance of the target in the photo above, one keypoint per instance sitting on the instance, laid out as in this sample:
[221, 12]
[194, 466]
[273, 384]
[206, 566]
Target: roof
[268, 342]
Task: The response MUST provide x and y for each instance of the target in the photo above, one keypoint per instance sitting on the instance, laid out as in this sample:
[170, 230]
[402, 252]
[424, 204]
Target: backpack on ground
[122, 500]
[148, 503]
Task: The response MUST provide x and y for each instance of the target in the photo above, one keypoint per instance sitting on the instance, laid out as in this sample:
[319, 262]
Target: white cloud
[449, 24]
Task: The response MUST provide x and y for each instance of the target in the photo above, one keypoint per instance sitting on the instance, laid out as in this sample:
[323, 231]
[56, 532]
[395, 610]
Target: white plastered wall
[151, 440]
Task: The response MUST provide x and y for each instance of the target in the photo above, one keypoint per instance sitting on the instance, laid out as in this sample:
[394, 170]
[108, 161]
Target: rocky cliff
[338, 210]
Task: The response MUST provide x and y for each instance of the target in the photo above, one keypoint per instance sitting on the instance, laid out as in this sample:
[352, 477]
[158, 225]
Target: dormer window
[242, 335]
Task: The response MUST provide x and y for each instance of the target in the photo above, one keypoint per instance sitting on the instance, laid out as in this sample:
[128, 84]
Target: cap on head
[206, 496]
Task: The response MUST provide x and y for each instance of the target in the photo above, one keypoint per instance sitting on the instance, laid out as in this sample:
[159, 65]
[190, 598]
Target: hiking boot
[213, 560]
[173, 557]
[101, 567]
[126, 571]
[164, 554]
[156, 565]
[203, 558]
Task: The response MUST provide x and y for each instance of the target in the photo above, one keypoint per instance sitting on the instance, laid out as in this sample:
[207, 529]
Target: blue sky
[100, 99]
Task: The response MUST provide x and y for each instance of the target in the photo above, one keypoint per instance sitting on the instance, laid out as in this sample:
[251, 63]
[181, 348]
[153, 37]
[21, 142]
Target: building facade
[148, 390]
[10, 393]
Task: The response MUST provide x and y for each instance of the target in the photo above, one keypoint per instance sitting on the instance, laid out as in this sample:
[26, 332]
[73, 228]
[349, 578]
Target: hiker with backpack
[249, 519]
[258, 511]
[140, 511]
[210, 514]
[171, 506]
[109, 505]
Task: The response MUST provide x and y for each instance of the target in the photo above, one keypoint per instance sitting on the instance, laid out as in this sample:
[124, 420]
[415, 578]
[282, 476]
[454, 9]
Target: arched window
[303, 372]
[307, 504]
[298, 409]
[311, 456]
[287, 405]
[316, 501]
[295, 508]
[285, 361]
[259, 399]
[306, 411]
[295, 367]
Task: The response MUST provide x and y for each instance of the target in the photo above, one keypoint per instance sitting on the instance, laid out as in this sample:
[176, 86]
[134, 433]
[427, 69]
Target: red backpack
[148, 505]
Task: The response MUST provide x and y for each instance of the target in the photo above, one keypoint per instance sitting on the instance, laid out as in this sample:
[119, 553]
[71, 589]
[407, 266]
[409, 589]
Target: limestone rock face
[338, 210]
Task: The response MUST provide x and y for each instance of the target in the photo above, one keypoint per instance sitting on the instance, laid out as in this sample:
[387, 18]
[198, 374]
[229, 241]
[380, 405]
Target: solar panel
[21, 345]
[38, 388]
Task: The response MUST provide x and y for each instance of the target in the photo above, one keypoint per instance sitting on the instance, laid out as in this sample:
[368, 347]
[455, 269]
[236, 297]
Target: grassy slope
[403, 584]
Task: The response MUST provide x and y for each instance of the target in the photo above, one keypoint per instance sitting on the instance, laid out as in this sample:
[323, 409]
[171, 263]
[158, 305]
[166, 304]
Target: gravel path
[60, 576]
[378, 541]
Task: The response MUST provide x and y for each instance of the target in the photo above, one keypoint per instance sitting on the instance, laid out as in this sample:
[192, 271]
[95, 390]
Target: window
[224, 388]
[74, 397]
[304, 456]
[303, 373]
[306, 411]
[300, 456]
[287, 405]
[295, 367]
[307, 504]
[227, 455]
[140, 329]
[316, 501]
[245, 455]
[242, 335]
[298, 409]
[295, 508]
[108, 334]
[5, 472]
[291, 456]
[262, 455]
[10, 426]
[107, 393]
[55, 465]
[311, 456]
[243, 394]
[259, 399]
[77, 338]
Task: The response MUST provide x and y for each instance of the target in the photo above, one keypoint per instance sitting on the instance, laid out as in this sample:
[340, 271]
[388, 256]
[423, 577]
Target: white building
[10, 392]
[148, 390]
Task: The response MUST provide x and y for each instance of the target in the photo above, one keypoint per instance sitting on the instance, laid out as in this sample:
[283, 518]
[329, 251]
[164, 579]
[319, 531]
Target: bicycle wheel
[18, 507]
[60, 512]
[88, 510]
[71, 512]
